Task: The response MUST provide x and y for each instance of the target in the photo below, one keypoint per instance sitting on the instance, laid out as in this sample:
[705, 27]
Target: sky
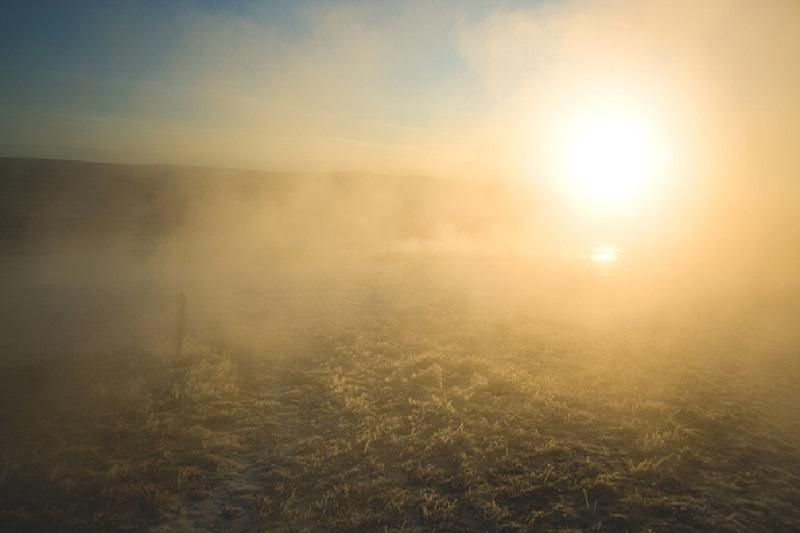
[470, 89]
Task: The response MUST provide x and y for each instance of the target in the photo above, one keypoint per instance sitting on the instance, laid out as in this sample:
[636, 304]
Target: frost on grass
[400, 423]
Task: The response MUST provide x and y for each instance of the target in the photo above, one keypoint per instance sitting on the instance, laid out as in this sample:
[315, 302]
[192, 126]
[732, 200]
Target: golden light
[610, 160]
[604, 254]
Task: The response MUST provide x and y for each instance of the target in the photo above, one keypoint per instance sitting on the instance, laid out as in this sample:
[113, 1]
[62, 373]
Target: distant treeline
[45, 202]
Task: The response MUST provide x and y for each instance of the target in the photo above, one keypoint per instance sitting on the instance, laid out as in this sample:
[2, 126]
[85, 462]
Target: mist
[416, 267]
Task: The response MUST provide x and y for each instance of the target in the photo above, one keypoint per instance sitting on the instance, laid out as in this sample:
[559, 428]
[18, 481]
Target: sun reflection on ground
[604, 254]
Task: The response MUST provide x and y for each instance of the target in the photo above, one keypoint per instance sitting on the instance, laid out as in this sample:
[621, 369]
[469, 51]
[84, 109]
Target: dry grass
[411, 418]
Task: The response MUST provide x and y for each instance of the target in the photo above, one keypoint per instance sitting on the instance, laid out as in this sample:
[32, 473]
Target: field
[383, 266]
[407, 398]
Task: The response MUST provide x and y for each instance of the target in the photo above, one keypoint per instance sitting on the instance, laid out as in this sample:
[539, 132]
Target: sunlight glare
[604, 254]
[610, 160]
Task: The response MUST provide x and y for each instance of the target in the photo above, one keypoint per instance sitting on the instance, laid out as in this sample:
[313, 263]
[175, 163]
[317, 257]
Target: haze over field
[370, 266]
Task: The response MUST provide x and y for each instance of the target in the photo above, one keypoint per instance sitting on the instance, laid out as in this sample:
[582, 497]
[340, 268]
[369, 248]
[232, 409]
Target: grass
[416, 416]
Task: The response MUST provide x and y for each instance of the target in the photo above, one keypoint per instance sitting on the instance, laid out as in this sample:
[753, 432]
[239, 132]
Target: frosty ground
[400, 402]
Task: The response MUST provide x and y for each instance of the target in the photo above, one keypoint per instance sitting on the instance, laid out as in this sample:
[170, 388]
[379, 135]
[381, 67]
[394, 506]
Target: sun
[604, 254]
[610, 160]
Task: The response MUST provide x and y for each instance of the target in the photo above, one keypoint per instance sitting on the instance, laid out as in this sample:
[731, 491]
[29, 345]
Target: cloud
[442, 88]
[720, 78]
[719, 70]
[328, 97]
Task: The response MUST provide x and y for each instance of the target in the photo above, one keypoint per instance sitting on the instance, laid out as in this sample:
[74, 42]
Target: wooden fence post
[180, 323]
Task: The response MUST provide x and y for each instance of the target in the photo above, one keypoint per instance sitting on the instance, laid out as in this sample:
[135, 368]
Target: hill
[47, 202]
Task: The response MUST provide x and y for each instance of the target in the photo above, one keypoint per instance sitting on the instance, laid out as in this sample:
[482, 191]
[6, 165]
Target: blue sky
[84, 55]
[419, 86]
[70, 62]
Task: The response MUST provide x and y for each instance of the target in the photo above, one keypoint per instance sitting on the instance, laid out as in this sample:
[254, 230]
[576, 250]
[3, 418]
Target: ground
[407, 410]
